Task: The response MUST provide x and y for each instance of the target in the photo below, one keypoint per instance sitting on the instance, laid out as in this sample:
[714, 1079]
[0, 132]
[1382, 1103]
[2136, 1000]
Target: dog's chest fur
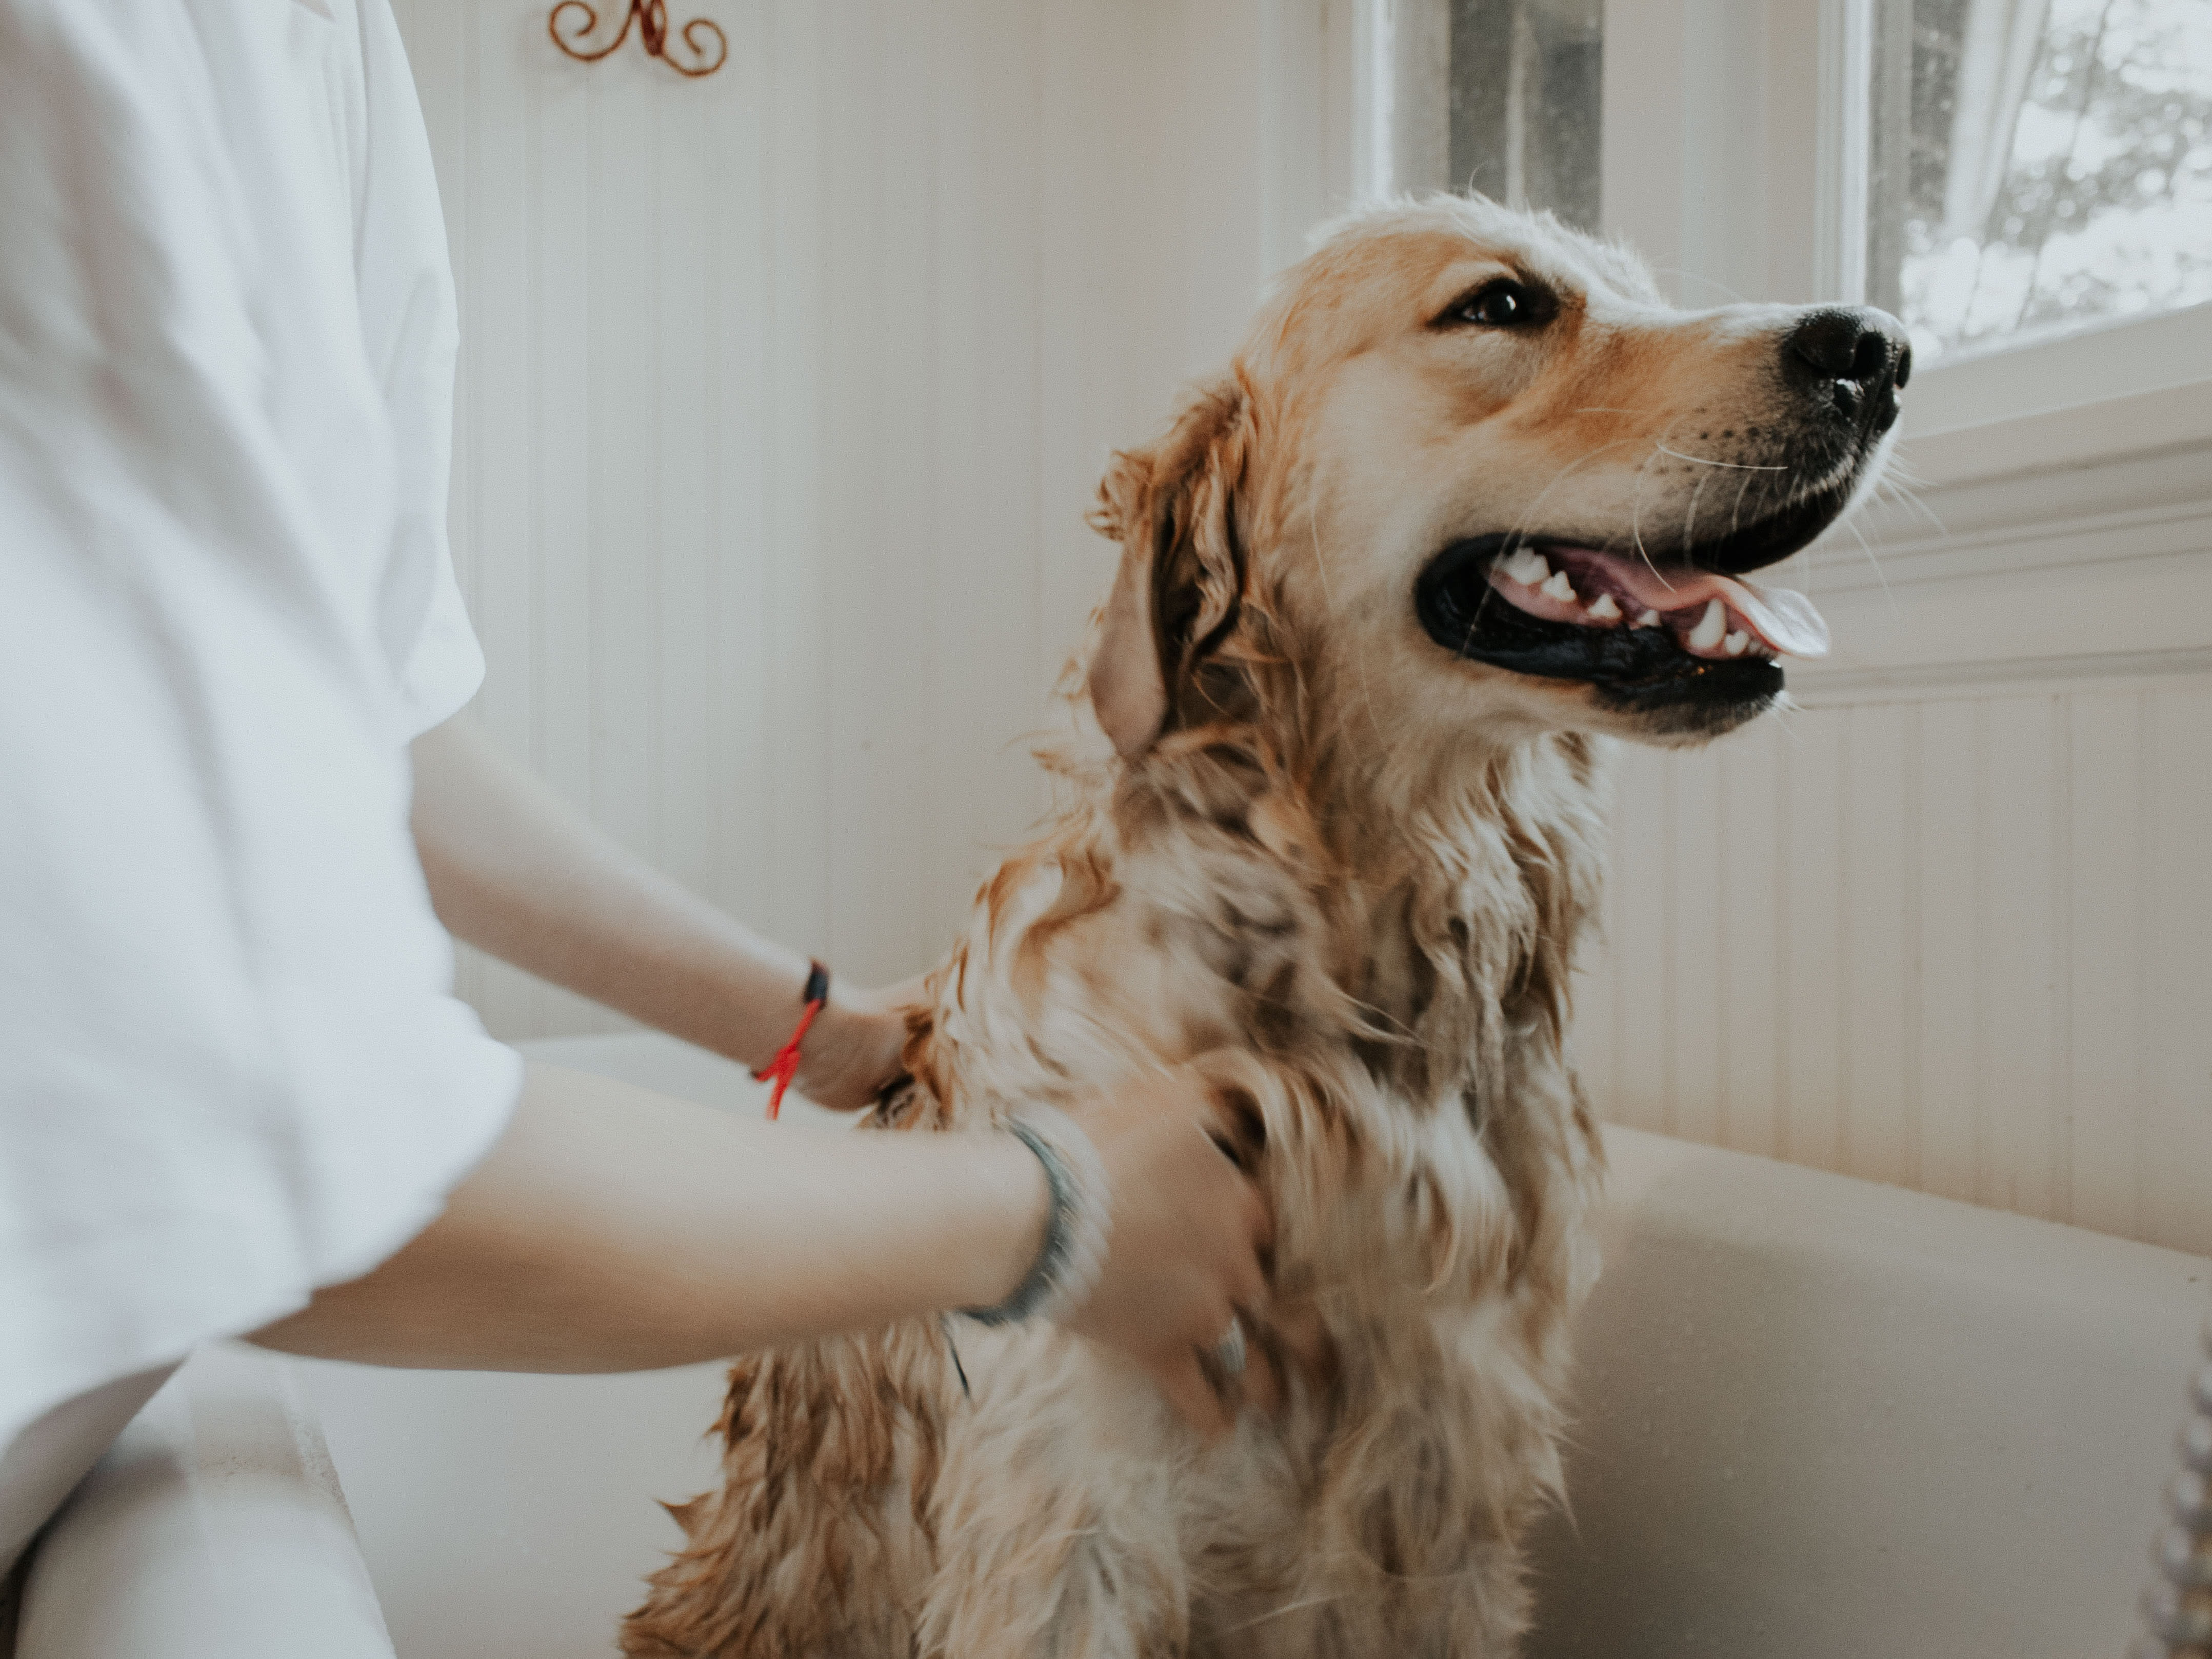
[1385, 1013]
[1381, 1009]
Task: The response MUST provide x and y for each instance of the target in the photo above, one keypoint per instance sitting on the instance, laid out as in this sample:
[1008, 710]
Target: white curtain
[1997, 54]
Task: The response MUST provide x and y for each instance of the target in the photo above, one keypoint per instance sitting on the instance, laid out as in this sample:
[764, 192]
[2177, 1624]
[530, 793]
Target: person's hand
[1183, 1257]
[852, 1047]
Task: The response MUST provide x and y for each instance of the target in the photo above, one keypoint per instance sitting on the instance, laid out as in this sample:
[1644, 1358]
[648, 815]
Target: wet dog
[1471, 501]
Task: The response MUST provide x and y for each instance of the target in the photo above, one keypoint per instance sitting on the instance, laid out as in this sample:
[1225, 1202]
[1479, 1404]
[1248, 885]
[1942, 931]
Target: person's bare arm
[613, 1229]
[514, 871]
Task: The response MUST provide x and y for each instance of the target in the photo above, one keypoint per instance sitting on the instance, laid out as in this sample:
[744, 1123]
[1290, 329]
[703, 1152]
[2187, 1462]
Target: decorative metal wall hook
[709, 46]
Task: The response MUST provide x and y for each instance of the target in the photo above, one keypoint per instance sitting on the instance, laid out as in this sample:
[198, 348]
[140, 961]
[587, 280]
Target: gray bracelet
[1073, 1253]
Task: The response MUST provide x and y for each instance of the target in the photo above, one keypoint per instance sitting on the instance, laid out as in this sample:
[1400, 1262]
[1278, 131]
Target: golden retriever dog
[1471, 501]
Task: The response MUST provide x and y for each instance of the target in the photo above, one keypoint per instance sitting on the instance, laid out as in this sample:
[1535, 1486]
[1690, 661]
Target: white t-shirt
[231, 1065]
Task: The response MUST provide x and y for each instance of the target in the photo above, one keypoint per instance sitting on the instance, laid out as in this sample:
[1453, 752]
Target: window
[1998, 172]
[1500, 96]
[2038, 165]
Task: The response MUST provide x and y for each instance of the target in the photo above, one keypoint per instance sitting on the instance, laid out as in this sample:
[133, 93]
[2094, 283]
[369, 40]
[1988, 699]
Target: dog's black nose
[1856, 356]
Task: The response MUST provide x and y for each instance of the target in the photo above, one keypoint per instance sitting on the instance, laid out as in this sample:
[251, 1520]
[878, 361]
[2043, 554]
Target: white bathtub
[1817, 1418]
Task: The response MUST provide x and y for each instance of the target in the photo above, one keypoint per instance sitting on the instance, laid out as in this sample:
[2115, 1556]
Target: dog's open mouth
[1645, 634]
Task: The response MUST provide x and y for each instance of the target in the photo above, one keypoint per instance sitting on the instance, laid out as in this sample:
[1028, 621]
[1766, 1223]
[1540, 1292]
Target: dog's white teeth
[1649, 619]
[1710, 627]
[1602, 609]
[1737, 643]
[1526, 566]
[1559, 588]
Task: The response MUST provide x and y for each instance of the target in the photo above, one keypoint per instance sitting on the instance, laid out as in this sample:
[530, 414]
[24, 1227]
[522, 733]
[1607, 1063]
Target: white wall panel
[784, 393]
[1957, 943]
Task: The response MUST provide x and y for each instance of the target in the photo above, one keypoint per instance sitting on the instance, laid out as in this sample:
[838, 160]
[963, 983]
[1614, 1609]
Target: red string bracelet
[787, 1058]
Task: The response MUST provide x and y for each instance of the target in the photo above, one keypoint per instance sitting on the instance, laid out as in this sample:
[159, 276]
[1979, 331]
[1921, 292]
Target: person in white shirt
[236, 1092]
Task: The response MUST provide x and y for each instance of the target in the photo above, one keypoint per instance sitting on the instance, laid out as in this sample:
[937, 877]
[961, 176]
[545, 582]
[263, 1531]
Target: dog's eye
[1502, 304]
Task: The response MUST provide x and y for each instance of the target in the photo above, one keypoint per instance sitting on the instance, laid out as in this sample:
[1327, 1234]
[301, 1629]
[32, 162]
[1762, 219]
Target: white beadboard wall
[784, 391]
[1959, 944]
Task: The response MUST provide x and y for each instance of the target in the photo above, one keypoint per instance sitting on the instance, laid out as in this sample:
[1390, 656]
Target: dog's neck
[1450, 886]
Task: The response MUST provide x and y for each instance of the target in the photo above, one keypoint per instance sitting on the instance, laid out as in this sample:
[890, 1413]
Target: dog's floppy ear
[1173, 508]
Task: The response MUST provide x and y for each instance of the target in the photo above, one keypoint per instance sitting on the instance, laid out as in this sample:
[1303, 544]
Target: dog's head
[1469, 473]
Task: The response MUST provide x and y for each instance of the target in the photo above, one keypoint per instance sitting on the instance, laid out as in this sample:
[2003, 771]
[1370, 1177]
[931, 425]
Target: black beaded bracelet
[1073, 1253]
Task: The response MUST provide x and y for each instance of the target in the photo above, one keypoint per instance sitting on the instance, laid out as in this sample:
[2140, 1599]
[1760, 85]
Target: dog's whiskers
[1735, 513]
[1874, 564]
[1528, 515]
[1782, 709]
[1705, 461]
[1690, 522]
[1636, 503]
[1898, 483]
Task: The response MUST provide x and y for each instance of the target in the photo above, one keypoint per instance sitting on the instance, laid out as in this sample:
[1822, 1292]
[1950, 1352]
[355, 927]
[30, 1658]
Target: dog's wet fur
[1344, 865]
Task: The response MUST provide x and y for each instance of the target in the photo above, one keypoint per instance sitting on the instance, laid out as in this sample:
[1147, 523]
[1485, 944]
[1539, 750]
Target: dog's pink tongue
[1783, 617]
